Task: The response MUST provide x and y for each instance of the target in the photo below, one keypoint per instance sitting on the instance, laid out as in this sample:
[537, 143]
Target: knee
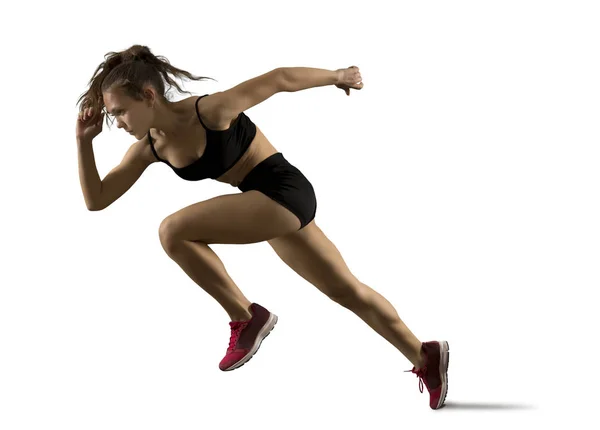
[168, 236]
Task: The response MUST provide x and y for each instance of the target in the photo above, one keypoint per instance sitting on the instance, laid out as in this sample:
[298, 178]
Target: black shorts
[281, 181]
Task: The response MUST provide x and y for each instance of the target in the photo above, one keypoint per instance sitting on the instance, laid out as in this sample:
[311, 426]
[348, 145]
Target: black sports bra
[223, 149]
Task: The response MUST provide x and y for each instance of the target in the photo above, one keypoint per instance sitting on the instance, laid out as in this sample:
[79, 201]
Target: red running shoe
[246, 337]
[434, 372]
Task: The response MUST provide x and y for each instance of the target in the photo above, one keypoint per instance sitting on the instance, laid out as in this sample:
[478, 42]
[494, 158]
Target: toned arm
[120, 179]
[227, 105]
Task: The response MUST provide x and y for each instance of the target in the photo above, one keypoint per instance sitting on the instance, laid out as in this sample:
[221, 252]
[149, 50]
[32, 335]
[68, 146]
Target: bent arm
[99, 194]
[302, 78]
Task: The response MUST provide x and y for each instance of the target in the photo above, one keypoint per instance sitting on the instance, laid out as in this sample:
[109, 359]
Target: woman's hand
[85, 129]
[349, 78]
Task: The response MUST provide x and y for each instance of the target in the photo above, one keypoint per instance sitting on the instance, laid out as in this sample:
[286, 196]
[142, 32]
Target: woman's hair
[129, 71]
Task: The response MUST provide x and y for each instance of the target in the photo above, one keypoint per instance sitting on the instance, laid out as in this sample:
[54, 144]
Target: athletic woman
[211, 137]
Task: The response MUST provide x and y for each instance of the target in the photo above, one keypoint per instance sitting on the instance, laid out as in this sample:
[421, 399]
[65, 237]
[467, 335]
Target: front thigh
[239, 218]
[314, 257]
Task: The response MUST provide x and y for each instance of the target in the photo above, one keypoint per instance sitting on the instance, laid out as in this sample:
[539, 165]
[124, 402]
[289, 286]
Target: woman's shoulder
[209, 114]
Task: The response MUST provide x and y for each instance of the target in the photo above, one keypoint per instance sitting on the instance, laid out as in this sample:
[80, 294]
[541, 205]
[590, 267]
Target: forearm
[89, 178]
[302, 78]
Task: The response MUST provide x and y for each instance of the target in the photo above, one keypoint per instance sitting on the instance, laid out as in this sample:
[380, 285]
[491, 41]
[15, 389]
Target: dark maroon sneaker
[246, 337]
[434, 372]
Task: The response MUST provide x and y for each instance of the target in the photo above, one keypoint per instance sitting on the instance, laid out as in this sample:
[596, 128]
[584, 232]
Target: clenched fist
[349, 78]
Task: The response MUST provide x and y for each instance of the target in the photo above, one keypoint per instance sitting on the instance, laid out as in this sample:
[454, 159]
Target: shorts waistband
[271, 160]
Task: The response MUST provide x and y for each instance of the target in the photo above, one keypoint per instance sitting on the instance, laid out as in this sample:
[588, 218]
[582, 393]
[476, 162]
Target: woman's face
[129, 114]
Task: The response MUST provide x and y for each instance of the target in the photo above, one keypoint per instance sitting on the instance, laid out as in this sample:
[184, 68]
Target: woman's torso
[191, 146]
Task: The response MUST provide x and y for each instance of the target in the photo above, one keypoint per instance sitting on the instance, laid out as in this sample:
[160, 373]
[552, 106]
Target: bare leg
[206, 269]
[380, 315]
[238, 218]
[314, 257]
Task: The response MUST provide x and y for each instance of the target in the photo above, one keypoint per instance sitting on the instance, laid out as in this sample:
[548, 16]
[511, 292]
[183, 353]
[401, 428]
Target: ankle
[242, 316]
[242, 313]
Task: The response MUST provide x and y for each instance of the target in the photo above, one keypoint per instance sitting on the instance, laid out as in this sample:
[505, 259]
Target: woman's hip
[285, 183]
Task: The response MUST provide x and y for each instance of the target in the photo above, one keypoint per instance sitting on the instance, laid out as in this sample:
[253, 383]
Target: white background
[461, 183]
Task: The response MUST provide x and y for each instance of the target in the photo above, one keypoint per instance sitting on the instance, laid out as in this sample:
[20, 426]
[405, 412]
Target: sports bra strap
[198, 113]
[154, 150]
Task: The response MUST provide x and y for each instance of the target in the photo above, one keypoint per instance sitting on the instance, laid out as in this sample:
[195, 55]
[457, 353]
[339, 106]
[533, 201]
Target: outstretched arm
[227, 105]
